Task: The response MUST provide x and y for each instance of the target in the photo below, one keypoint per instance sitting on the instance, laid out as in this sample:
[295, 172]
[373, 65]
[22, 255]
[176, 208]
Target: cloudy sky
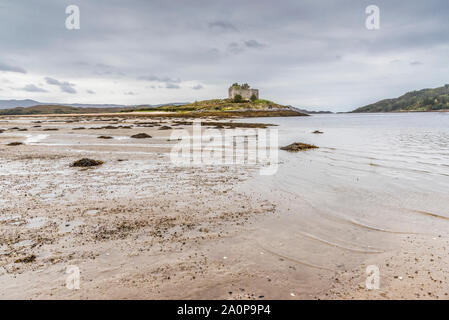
[309, 53]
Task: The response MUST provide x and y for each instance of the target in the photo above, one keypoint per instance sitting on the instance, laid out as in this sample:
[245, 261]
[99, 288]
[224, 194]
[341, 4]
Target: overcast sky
[314, 54]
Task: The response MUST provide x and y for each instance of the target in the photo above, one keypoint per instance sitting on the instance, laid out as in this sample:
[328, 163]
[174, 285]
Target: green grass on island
[225, 108]
[217, 105]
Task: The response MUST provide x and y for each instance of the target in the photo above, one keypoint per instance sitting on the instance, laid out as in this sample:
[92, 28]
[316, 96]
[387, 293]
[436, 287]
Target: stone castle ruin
[243, 90]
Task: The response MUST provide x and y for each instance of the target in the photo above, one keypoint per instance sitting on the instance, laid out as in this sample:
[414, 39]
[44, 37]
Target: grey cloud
[107, 70]
[416, 63]
[172, 86]
[159, 79]
[239, 47]
[63, 85]
[197, 87]
[222, 26]
[218, 42]
[253, 44]
[32, 88]
[7, 67]
[130, 93]
[90, 91]
[52, 81]
[235, 48]
[67, 89]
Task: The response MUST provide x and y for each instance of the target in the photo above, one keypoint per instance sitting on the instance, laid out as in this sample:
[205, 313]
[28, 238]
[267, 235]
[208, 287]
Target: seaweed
[27, 259]
[141, 136]
[298, 146]
[86, 162]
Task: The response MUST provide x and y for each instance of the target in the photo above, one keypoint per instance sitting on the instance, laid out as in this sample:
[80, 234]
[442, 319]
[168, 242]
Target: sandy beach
[141, 227]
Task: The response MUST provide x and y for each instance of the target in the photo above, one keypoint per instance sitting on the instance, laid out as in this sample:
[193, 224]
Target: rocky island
[242, 101]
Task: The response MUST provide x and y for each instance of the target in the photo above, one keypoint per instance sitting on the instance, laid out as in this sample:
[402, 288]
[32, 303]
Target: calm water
[375, 177]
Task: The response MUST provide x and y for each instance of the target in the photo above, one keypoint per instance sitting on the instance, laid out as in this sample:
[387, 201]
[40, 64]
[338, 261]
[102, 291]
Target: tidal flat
[139, 226]
[136, 225]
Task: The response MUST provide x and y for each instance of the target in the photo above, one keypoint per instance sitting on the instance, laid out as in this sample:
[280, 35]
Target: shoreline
[168, 114]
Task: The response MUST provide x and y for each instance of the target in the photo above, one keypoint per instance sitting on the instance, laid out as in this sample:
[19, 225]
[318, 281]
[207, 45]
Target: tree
[253, 98]
[238, 98]
[245, 86]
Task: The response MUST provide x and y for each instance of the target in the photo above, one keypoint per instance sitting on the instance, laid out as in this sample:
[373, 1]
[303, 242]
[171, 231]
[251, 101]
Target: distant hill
[149, 106]
[27, 107]
[8, 104]
[57, 109]
[313, 112]
[422, 100]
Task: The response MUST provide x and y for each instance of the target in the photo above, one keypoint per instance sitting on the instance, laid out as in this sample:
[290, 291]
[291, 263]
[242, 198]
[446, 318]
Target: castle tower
[244, 90]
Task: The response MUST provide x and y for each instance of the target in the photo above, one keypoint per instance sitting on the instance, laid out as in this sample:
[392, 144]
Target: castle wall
[245, 93]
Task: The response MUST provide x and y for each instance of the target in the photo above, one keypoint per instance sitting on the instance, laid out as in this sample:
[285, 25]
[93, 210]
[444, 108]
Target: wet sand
[136, 226]
[140, 227]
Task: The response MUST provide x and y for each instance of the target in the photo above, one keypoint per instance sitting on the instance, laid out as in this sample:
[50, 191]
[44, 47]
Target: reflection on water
[375, 177]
